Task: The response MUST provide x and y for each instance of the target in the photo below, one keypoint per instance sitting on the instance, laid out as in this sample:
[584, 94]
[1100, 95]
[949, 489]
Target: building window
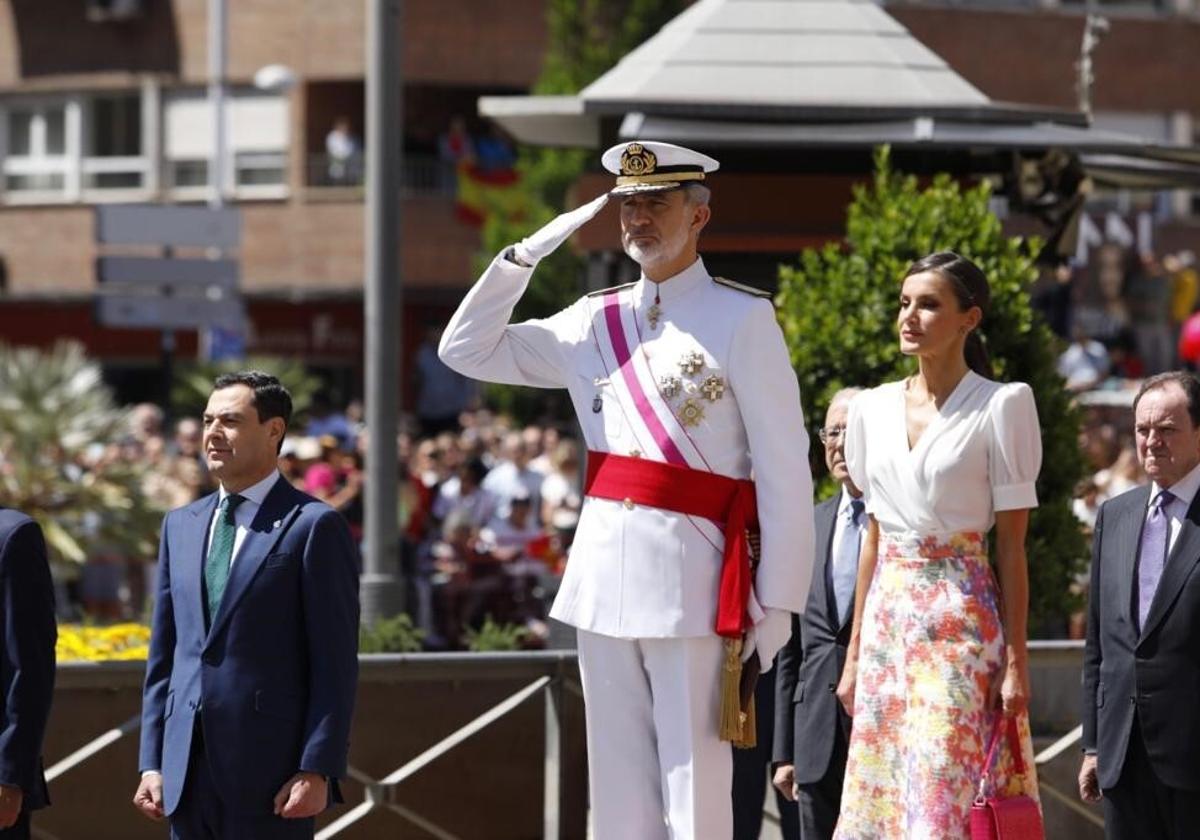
[113, 154]
[36, 164]
[256, 138]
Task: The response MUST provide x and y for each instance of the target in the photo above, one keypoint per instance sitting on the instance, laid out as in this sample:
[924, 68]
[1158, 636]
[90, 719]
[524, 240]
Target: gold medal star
[691, 413]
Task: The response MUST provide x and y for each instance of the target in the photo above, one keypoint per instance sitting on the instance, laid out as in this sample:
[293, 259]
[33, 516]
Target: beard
[667, 248]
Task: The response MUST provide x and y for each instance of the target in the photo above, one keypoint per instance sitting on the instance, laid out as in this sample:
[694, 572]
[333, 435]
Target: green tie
[220, 553]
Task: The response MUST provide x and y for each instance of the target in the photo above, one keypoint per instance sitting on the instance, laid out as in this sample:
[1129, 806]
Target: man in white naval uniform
[688, 376]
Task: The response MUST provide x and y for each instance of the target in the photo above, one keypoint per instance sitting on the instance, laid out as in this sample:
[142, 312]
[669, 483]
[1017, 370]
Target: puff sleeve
[1015, 452]
[855, 445]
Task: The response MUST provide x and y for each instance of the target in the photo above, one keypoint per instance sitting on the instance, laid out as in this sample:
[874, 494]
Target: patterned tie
[1152, 555]
[220, 553]
[845, 567]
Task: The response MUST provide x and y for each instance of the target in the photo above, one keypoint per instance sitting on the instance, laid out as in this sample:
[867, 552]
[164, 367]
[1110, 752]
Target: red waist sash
[728, 502]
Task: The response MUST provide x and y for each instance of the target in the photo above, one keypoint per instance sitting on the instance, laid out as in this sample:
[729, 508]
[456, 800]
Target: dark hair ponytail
[970, 289]
[976, 354]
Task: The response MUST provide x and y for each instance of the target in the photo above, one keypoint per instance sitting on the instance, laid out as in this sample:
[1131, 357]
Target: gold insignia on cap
[638, 160]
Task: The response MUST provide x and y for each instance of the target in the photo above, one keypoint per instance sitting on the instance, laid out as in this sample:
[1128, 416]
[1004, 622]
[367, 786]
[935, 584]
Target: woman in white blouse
[937, 648]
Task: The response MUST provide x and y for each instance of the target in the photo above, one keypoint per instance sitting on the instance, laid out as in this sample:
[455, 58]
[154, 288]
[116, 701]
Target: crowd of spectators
[487, 510]
[1127, 316]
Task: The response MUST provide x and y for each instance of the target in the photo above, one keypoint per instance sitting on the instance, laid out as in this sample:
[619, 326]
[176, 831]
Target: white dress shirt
[1184, 492]
[244, 513]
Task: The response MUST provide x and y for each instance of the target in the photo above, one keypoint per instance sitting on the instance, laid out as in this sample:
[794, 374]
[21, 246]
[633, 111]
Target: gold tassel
[738, 726]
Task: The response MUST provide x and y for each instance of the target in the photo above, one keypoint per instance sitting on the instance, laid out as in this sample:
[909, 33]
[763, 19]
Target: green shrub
[493, 637]
[391, 635]
[838, 311]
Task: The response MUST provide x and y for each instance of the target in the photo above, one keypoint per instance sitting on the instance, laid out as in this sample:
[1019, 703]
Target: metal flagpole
[381, 590]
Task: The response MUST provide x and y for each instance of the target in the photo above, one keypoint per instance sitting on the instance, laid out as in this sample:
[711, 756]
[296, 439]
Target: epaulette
[742, 287]
[612, 289]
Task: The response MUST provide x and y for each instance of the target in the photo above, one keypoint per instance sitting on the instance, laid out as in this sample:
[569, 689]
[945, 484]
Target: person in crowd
[465, 492]
[560, 490]
[442, 393]
[937, 651]
[1141, 723]
[343, 151]
[1084, 364]
[812, 730]
[1148, 296]
[680, 382]
[512, 477]
[457, 560]
[324, 419]
[250, 680]
[1124, 474]
[27, 665]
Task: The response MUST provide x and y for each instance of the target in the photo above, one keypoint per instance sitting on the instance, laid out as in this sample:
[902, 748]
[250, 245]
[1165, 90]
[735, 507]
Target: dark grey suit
[1140, 709]
[812, 732]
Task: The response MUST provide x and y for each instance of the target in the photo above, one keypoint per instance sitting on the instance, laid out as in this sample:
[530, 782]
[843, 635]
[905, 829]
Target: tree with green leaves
[57, 418]
[838, 307]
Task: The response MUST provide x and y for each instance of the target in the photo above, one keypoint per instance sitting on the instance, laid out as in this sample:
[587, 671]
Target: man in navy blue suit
[26, 670]
[253, 666]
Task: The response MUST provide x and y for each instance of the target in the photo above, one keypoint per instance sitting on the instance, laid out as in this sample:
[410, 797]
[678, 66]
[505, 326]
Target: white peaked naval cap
[649, 166]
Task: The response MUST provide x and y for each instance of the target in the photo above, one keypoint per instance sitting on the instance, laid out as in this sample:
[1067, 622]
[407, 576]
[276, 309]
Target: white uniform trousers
[657, 769]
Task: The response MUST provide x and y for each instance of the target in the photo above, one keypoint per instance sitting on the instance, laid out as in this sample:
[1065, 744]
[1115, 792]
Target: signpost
[166, 292]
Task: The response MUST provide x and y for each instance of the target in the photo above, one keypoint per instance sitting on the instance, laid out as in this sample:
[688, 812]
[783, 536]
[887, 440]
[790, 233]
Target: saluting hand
[534, 247]
[303, 795]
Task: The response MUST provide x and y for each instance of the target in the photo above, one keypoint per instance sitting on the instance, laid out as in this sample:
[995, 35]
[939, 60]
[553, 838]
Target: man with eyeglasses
[812, 731]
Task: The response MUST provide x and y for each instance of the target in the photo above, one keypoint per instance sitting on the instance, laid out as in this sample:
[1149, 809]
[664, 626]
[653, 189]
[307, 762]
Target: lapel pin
[278, 522]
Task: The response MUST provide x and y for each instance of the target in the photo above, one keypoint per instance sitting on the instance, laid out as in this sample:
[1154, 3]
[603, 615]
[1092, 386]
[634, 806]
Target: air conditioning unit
[106, 11]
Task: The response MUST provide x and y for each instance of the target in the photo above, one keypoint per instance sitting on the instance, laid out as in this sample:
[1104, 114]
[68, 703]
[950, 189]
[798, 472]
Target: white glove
[768, 636]
[533, 248]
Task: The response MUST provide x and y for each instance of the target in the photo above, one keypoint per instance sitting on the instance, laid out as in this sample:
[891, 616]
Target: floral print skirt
[931, 645]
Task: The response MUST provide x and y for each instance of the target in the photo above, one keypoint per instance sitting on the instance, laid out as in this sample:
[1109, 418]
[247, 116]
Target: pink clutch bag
[1009, 817]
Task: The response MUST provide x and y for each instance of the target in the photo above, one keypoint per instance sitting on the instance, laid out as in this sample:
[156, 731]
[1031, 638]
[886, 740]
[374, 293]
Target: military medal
[713, 388]
[691, 412]
[670, 386]
[655, 311]
[692, 362]
[597, 401]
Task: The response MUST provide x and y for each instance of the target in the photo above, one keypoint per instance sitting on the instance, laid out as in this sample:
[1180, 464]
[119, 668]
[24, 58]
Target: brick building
[98, 108]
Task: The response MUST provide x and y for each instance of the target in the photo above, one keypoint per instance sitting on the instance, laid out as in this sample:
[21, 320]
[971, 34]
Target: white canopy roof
[786, 53]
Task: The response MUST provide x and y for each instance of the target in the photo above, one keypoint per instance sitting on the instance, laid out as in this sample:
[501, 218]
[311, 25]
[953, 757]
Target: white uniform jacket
[710, 384]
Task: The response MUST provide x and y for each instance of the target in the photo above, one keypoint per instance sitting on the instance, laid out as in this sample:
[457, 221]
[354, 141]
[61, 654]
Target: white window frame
[142, 164]
[38, 162]
[246, 192]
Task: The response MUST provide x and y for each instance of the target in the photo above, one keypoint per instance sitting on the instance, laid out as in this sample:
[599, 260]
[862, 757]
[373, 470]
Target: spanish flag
[482, 192]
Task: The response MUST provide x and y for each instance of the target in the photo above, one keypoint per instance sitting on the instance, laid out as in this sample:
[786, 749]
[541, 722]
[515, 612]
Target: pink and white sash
[655, 426]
